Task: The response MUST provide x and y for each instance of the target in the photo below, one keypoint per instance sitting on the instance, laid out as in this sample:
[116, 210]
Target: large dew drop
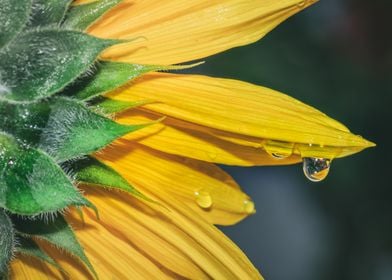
[203, 199]
[316, 169]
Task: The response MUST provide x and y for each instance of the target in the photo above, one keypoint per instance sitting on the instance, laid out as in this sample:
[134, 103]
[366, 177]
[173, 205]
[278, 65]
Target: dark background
[337, 57]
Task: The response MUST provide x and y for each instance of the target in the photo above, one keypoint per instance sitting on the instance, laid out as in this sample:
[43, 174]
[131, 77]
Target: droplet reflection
[279, 149]
[316, 169]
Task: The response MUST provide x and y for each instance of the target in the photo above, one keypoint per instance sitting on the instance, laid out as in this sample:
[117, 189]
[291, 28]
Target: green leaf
[73, 130]
[47, 12]
[41, 63]
[32, 183]
[6, 241]
[28, 247]
[111, 106]
[80, 17]
[93, 172]
[13, 18]
[108, 76]
[56, 232]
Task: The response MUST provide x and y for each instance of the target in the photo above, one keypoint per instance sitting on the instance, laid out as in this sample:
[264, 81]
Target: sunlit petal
[177, 137]
[175, 31]
[203, 186]
[133, 240]
[242, 108]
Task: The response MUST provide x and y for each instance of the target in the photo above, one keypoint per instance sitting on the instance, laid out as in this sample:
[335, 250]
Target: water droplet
[203, 199]
[301, 4]
[249, 206]
[212, 155]
[279, 156]
[279, 149]
[316, 169]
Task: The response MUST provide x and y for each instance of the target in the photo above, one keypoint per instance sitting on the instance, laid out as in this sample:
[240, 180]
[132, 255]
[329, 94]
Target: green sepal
[73, 130]
[80, 17]
[47, 13]
[13, 18]
[57, 232]
[107, 77]
[40, 63]
[110, 106]
[28, 247]
[62, 127]
[90, 171]
[7, 241]
[4, 275]
[31, 183]
[25, 121]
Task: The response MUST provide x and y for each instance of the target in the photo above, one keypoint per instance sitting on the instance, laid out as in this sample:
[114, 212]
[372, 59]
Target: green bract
[6, 240]
[49, 69]
[28, 247]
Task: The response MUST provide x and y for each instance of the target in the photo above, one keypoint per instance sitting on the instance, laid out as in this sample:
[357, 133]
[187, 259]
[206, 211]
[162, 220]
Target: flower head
[141, 144]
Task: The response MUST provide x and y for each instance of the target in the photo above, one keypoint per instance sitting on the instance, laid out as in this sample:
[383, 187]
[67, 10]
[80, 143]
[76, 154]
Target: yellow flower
[208, 120]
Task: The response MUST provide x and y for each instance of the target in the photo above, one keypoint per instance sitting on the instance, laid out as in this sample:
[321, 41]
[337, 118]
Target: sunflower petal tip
[370, 144]
[364, 143]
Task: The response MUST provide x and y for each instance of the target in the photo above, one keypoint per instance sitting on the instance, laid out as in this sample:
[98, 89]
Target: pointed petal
[194, 182]
[177, 137]
[175, 31]
[242, 108]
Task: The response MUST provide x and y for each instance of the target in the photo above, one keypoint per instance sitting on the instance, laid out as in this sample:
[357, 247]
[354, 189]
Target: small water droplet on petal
[279, 156]
[203, 199]
[278, 149]
[301, 4]
[316, 169]
[249, 206]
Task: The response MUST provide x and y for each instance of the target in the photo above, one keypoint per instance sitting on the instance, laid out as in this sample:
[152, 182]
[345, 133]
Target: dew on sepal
[203, 199]
[316, 169]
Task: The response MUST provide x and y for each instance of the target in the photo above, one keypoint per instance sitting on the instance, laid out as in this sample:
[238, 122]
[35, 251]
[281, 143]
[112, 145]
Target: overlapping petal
[186, 139]
[242, 108]
[135, 241]
[175, 31]
[191, 181]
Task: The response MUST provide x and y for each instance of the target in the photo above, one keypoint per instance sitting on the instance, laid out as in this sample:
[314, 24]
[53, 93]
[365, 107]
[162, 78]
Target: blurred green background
[336, 56]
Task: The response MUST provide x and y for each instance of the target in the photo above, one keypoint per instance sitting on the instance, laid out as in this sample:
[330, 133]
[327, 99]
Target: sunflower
[108, 165]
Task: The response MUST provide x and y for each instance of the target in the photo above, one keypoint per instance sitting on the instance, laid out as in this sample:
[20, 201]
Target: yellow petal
[190, 239]
[112, 256]
[26, 268]
[242, 108]
[135, 241]
[175, 31]
[176, 137]
[202, 186]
